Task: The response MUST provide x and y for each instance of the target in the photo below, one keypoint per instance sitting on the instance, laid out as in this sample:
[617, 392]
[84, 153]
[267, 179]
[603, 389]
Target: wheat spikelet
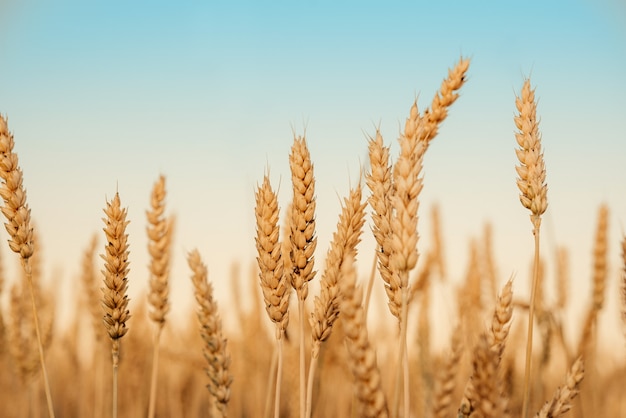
[15, 208]
[302, 236]
[344, 243]
[274, 283]
[361, 355]
[532, 170]
[495, 340]
[159, 242]
[501, 320]
[444, 98]
[380, 184]
[114, 299]
[561, 401]
[215, 345]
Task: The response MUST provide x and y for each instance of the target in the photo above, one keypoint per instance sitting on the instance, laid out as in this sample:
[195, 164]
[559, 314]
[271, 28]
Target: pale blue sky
[106, 95]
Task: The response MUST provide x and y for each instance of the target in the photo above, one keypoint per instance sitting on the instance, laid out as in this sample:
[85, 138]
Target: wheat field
[350, 334]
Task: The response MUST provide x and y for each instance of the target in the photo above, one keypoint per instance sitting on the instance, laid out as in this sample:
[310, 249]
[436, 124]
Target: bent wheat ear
[561, 401]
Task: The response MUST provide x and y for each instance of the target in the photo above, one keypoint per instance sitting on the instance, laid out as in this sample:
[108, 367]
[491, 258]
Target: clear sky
[105, 96]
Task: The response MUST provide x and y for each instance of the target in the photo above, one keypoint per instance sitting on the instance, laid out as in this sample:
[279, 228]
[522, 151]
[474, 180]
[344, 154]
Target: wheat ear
[561, 401]
[274, 281]
[326, 305]
[215, 345]
[496, 340]
[533, 196]
[159, 232]
[379, 181]
[303, 240]
[114, 298]
[18, 225]
[361, 354]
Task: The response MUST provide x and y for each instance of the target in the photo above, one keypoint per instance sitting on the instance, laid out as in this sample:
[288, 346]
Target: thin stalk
[529, 338]
[402, 371]
[155, 372]
[279, 375]
[46, 385]
[405, 356]
[302, 361]
[116, 359]
[309, 387]
[267, 412]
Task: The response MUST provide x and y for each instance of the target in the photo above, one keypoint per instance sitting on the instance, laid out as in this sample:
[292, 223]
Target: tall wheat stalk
[159, 243]
[114, 298]
[302, 241]
[274, 281]
[533, 196]
[18, 225]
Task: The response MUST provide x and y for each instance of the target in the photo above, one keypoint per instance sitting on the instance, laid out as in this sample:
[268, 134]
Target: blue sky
[108, 95]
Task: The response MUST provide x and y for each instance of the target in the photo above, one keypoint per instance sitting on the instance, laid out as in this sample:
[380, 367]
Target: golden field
[323, 350]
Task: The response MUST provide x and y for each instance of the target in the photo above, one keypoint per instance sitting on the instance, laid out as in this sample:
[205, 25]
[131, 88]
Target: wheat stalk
[18, 225]
[274, 281]
[114, 298]
[533, 196]
[302, 239]
[215, 345]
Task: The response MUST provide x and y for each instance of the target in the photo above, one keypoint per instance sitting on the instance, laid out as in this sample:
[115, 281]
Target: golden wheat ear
[114, 298]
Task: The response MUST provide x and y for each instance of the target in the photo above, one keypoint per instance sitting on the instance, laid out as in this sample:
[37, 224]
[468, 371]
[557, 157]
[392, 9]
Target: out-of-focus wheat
[215, 345]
